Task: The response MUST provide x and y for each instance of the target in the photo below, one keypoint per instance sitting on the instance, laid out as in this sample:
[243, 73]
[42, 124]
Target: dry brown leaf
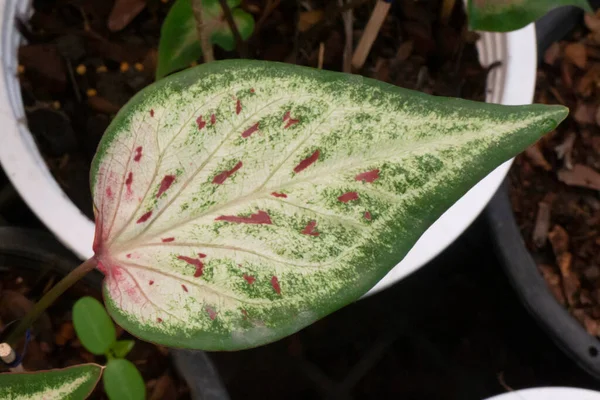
[552, 53]
[308, 19]
[592, 22]
[554, 282]
[559, 238]
[581, 175]
[123, 12]
[585, 113]
[587, 83]
[65, 333]
[542, 223]
[576, 53]
[534, 153]
[565, 150]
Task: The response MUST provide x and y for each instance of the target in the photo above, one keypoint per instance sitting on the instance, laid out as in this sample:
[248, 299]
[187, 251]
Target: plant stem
[207, 50]
[49, 298]
[234, 29]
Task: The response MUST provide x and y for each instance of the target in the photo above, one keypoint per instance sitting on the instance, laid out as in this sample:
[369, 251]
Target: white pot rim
[549, 393]
[513, 83]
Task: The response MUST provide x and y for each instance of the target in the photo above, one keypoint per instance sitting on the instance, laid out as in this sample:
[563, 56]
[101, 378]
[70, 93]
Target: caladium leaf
[179, 45]
[71, 383]
[239, 201]
[510, 15]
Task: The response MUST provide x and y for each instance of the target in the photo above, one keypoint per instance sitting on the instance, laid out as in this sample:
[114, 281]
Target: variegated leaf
[71, 383]
[239, 201]
[510, 15]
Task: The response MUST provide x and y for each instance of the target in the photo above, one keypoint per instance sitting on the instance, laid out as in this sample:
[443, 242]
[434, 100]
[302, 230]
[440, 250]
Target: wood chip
[554, 282]
[534, 154]
[559, 238]
[542, 222]
[564, 151]
[585, 113]
[576, 54]
[580, 175]
[592, 22]
[552, 53]
[123, 12]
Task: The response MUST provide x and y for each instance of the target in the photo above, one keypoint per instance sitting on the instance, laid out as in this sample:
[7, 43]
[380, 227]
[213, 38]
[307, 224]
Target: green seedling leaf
[179, 45]
[123, 381]
[121, 348]
[239, 201]
[93, 325]
[71, 383]
[510, 15]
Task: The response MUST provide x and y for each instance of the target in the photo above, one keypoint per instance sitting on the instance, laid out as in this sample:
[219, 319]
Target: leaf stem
[232, 25]
[203, 37]
[50, 297]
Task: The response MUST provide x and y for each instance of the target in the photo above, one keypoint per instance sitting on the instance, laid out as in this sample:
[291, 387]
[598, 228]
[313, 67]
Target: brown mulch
[555, 185]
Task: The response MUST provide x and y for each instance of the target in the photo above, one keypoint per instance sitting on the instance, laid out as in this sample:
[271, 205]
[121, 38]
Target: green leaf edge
[209, 341]
[514, 17]
[83, 341]
[99, 369]
[122, 360]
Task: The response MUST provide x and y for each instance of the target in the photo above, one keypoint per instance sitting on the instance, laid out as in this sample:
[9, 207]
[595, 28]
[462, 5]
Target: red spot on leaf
[307, 162]
[201, 255]
[251, 90]
[151, 283]
[109, 193]
[310, 229]
[219, 179]
[290, 121]
[185, 289]
[260, 217]
[213, 119]
[138, 154]
[346, 197]
[144, 217]
[167, 240]
[129, 255]
[165, 184]
[279, 195]
[201, 124]
[250, 130]
[367, 215]
[286, 115]
[249, 278]
[196, 263]
[369, 176]
[152, 113]
[275, 284]
[128, 182]
[159, 320]
[212, 314]
[238, 106]
[245, 313]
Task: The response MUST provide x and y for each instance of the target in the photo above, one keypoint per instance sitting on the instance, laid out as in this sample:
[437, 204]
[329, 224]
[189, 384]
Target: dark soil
[555, 185]
[54, 343]
[68, 108]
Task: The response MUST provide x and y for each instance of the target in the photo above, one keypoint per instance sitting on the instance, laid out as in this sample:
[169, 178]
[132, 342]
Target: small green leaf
[179, 45]
[122, 347]
[93, 325]
[240, 201]
[71, 383]
[123, 381]
[510, 15]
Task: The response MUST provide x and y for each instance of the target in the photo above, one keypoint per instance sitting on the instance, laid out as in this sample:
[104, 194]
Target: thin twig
[241, 47]
[48, 299]
[207, 49]
[321, 55]
[347, 17]
[370, 33]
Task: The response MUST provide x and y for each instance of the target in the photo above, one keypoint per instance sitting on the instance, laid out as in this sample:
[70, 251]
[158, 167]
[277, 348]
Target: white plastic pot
[511, 83]
[549, 393]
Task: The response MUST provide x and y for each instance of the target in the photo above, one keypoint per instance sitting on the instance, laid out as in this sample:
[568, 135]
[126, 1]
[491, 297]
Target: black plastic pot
[533, 290]
[30, 249]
